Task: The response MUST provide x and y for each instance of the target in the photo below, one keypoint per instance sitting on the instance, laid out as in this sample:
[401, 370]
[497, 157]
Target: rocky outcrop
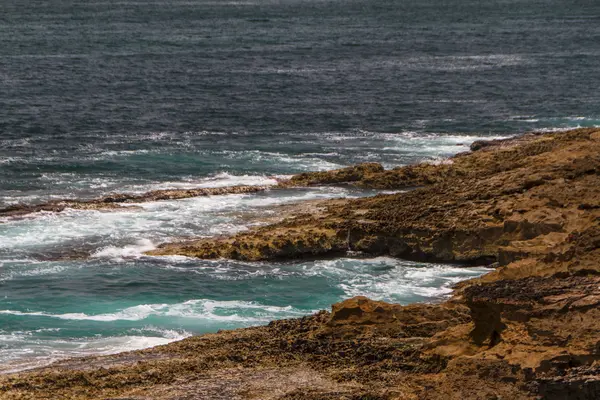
[487, 161]
[508, 201]
[530, 329]
[121, 201]
[257, 246]
[350, 174]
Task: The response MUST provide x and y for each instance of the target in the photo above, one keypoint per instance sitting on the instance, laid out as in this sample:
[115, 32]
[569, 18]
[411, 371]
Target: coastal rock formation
[355, 173]
[120, 200]
[373, 175]
[508, 201]
[530, 329]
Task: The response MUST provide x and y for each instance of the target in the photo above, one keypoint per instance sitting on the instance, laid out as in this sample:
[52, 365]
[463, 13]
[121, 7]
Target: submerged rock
[120, 201]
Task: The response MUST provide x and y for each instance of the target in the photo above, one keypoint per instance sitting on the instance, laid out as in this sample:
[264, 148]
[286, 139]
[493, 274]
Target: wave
[175, 334]
[556, 124]
[108, 234]
[433, 145]
[82, 187]
[385, 278]
[206, 309]
[227, 179]
[24, 269]
[221, 179]
[131, 251]
[284, 161]
[28, 351]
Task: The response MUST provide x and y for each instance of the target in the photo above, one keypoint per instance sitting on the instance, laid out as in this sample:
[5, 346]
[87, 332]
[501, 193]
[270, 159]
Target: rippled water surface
[131, 96]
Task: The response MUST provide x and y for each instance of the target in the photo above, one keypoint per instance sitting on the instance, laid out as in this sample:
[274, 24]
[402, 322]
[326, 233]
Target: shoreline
[525, 330]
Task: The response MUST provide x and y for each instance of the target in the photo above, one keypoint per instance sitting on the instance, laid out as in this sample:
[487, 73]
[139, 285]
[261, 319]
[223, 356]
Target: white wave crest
[198, 309]
[226, 179]
[30, 268]
[35, 353]
[385, 278]
[131, 251]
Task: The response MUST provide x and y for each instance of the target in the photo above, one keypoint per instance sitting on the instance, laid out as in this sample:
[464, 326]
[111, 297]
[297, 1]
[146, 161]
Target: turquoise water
[107, 305]
[118, 299]
[131, 96]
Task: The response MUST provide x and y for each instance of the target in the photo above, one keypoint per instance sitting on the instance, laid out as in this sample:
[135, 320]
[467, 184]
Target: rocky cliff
[528, 330]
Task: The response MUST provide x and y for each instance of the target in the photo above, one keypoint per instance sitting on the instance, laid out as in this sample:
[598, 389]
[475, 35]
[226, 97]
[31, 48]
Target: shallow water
[111, 303]
[132, 96]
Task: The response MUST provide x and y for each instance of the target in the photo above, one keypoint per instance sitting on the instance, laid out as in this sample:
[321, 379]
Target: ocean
[136, 95]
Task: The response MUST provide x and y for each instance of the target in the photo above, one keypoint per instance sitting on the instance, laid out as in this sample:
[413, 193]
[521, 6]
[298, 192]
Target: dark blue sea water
[134, 95]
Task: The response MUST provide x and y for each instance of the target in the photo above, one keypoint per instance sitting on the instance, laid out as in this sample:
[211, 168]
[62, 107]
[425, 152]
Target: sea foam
[206, 309]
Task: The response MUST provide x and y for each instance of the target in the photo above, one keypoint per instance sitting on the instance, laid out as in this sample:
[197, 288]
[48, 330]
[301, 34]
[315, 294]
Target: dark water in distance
[135, 95]
[71, 68]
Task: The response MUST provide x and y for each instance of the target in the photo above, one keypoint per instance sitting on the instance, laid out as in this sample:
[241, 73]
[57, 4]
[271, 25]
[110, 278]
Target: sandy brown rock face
[256, 246]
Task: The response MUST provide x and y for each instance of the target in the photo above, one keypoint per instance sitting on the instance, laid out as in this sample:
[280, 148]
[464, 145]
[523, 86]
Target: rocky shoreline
[530, 329]
[120, 201]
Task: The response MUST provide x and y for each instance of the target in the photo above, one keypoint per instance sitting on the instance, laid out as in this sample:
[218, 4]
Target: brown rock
[344, 175]
[517, 199]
